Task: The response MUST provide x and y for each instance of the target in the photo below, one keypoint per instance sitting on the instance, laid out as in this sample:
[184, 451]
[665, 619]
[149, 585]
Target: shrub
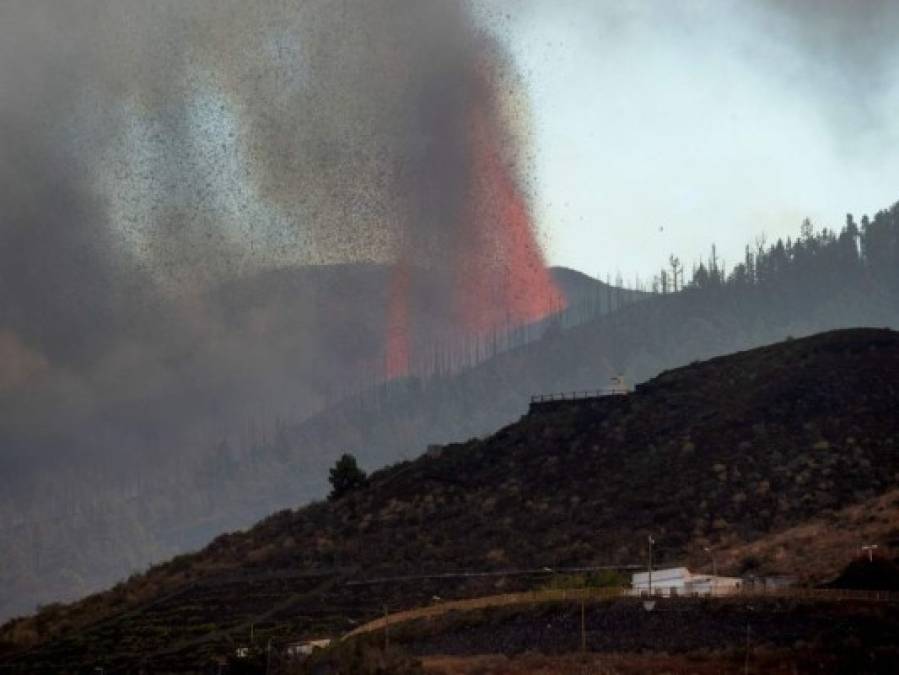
[358, 658]
[345, 477]
[749, 563]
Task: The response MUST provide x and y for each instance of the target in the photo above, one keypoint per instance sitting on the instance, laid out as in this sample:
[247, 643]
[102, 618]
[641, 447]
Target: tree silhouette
[345, 477]
[677, 271]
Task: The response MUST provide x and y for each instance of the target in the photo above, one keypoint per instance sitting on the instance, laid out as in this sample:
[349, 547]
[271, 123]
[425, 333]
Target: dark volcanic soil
[674, 626]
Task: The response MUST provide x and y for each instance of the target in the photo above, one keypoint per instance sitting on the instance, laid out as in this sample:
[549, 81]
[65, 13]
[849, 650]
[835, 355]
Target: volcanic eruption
[393, 131]
[470, 190]
[209, 141]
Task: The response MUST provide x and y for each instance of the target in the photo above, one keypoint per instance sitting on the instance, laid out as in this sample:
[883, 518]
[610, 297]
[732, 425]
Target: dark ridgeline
[178, 355]
[820, 282]
[718, 453]
[826, 262]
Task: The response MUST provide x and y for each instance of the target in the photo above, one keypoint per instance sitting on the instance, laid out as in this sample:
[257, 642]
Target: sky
[665, 127]
[653, 127]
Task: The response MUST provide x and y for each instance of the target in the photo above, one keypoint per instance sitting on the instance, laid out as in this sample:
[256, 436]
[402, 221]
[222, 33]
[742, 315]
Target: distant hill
[576, 286]
[195, 436]
[584, 293]
[716, 454]
[256, 414]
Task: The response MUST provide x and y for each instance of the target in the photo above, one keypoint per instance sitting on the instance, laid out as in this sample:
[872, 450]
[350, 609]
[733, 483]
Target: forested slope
[719, 453]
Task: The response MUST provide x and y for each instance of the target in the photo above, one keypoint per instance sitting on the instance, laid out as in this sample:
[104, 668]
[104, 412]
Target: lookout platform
[551, 402]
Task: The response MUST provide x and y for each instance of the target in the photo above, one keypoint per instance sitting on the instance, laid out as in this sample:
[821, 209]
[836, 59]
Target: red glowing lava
[498, 278]
[398, 322]
[504, 280]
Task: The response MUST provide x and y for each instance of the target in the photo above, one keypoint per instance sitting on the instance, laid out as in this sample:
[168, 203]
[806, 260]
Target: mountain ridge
[718, 453]
[237, 466]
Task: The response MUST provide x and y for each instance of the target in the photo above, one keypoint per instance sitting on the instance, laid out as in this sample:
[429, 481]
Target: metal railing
[470, 574]
[579, 395]
[758, 590]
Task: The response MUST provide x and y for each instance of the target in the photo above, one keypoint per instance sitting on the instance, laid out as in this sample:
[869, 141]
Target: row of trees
[862, 255]
[826, 258]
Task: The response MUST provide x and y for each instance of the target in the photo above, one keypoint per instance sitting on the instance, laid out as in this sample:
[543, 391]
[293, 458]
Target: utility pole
[746, 663]
[649, 566]
[714, 564]
[870, 549]
[714, 569]
[583, 626]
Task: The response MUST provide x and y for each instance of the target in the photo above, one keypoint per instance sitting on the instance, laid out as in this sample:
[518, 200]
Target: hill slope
[213, 437]
[718, 453]
[200, 442]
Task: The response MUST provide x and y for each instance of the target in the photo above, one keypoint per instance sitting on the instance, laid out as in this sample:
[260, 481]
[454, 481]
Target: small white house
[681, 581]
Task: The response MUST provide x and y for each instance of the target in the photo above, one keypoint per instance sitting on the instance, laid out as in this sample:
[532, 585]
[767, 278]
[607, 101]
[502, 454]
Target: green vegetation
[598, 579]
[345, 477]
[359, 657]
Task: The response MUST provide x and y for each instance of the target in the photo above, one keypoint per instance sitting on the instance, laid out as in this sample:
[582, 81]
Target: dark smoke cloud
[345, 119]
[162, 159]
[846, 56]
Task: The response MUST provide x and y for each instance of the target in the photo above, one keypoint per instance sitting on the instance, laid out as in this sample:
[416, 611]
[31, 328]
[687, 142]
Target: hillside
[819, 282]
[202, 439]
[638, 340]
[720, 453]
[685, 636]
[143, 491]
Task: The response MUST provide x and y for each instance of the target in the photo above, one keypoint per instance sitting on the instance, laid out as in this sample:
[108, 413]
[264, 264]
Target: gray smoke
[162, 161]
[846, 58]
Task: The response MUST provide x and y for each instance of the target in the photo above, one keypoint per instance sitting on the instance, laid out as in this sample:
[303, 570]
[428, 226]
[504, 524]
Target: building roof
[669, 574]
[680, 574]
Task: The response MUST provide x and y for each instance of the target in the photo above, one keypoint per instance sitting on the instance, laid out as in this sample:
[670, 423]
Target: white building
[300, 650]
[681, 581]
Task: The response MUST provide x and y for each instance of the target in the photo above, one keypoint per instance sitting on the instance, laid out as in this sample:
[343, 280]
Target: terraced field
[742, 453]
[204, 618]
[202, 624]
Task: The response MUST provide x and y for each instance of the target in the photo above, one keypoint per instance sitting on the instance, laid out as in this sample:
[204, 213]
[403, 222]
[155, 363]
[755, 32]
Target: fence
[578, 395]
[758, 590]
[462, 574]
[601, 594]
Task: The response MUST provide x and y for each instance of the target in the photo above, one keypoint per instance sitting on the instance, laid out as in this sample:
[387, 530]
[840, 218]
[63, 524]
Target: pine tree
[345, 477]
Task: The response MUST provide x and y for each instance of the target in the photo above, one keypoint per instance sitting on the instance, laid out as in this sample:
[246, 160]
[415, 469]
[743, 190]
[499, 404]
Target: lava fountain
[304, 132]
[497, 278]
[503, 276]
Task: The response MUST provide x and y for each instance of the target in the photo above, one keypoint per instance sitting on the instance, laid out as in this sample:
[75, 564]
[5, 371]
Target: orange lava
[499, 276]
[502, 279]
[397, 352]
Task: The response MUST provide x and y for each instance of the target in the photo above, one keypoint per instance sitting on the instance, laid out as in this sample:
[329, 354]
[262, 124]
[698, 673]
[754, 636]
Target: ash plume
[157, 154]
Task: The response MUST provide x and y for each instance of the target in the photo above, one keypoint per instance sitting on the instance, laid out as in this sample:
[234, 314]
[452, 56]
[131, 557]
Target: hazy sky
[715, 120]
[658, 126]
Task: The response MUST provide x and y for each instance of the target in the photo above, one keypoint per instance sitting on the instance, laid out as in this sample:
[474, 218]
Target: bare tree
[676, 272]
